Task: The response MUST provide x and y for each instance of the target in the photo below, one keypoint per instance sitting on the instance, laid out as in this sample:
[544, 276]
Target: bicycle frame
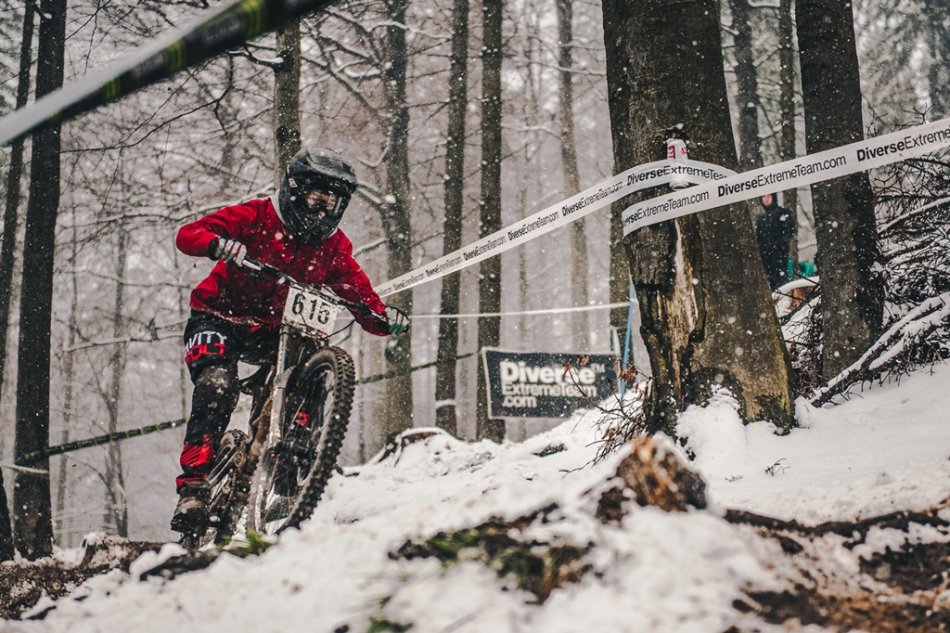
[282, 372]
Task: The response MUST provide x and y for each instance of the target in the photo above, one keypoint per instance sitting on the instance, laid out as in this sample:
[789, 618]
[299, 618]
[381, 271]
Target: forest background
[132, 172]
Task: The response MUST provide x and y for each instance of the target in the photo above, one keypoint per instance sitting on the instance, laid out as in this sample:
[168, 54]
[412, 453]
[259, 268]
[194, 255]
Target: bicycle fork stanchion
[274, 432]
[282, 377]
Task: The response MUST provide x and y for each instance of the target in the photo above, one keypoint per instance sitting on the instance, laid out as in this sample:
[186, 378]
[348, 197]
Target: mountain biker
[235, 315]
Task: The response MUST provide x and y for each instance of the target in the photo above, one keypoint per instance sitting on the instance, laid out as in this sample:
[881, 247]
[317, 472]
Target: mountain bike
[274, 475]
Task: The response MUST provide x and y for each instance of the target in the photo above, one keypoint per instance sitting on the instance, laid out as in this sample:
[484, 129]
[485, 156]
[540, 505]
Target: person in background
[773, 232]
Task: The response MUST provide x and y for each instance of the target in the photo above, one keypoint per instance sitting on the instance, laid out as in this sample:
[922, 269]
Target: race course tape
[806, 170]
[717, 186]
[557, 215]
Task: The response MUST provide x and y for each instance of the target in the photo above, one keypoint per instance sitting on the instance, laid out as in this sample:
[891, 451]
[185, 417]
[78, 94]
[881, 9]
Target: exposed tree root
[898, 520]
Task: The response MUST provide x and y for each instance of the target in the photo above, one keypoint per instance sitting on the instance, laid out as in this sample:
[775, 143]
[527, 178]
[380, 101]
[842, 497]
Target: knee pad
[216, 394]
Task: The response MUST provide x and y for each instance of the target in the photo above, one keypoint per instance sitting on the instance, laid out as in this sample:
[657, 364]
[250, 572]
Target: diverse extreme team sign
[717, 186]
[536, 385]
[832, 163]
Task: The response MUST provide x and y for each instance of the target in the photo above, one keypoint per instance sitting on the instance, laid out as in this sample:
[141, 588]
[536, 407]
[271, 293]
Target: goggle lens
[317, 201]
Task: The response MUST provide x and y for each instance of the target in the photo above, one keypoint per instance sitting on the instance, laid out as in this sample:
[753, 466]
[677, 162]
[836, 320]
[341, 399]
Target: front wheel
[292, 476]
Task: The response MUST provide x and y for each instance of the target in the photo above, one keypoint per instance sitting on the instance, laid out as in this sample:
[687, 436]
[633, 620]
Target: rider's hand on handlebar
[397, 320]
[227, 250]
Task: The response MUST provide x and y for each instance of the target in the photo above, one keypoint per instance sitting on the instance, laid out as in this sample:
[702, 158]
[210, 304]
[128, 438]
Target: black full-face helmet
[314, 193]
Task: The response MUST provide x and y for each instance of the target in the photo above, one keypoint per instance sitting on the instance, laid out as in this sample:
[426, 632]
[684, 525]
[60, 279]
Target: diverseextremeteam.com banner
[557, 215]
[539, 385]
[716, 186]
[807, 170]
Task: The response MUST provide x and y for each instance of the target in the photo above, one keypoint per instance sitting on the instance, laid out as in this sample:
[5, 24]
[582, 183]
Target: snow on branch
[892, 348]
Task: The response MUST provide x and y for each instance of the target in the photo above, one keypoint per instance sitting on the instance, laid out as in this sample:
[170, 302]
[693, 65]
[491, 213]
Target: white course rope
[603, 306]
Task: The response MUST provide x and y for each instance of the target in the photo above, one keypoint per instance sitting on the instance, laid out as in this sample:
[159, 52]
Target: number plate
[309, 311]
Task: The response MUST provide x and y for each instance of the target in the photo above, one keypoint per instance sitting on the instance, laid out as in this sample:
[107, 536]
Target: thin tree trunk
[396, 224]
[8, 248]
[33, 527]
[117, 511]
[68, 363]
[787, 82]
[939, 75]
[489, 286]
[446, 409]
[286, 98]
[14, 176]
[747, 84]
[706, 310]
[852, 293]
[572, 180]
[7, 550]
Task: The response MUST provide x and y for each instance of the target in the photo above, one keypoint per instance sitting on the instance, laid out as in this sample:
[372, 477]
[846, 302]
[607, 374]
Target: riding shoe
[191, 513]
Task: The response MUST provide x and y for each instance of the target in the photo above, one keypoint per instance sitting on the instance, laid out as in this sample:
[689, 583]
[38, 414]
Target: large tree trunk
[286, 98]
[33, 527]
[8, 248]
[747, 85]
[396, 216]
[705, 305]
[446, 413]
[852, 293]
[489, 285]
[572, 181]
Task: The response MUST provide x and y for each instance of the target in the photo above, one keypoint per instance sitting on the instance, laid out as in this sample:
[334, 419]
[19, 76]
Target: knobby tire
[322, 394]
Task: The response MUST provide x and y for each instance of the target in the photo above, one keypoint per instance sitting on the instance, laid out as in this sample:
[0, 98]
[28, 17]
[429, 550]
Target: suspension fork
[281, 379]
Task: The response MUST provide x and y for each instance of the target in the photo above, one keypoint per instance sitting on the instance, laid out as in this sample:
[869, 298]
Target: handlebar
[283, 278]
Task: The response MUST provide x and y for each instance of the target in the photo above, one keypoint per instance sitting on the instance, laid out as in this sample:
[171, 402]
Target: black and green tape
[221, 30]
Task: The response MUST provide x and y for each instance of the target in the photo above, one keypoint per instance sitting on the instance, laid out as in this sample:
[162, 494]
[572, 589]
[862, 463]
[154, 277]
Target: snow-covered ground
[886, 448]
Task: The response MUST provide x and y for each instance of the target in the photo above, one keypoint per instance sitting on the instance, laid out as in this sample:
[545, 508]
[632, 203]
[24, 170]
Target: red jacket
[232, 293]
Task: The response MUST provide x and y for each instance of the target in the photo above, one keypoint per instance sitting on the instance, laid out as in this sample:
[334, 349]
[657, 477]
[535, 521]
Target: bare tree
[117, 511]
[67, 372]
[286, 98]
[750, 154]
[14, 176]
[852, 292]
[708, 321]
[572, 179]
[446, 414]
[489, 286]
[395, 212]
[788, 84]
[939, 76]
[8, 247]
[33, 528]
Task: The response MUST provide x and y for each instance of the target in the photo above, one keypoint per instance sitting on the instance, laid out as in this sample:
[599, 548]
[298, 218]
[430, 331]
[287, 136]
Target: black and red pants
[213, 347]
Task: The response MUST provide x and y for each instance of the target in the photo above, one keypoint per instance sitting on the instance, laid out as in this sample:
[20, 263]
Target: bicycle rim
[292, 478]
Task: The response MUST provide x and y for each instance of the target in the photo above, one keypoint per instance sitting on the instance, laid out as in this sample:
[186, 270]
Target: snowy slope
[887, 448]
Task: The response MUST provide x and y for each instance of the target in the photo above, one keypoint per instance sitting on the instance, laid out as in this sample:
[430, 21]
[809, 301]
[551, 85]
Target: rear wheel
[292, 476]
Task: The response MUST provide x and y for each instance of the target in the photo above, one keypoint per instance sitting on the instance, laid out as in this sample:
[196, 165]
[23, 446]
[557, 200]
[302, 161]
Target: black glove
[397, 321]
[227, 250]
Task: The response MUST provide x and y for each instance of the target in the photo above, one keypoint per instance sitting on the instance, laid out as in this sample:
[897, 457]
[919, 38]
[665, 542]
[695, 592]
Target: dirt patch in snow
[24, 584]
[899, 591]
